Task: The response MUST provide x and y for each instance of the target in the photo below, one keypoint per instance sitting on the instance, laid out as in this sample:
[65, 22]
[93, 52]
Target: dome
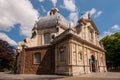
[53, 19]
[47, 21]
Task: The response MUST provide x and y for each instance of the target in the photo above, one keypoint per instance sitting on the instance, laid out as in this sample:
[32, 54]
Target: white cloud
[43, 9]
[54, 2]
[116, 27]
[69, 5]
[85, 15]
[106, 33]
[73, 17]
[3, 36]
[92, 12]
[113, 30]
[98, 14]
[41, 0]
[17, 12]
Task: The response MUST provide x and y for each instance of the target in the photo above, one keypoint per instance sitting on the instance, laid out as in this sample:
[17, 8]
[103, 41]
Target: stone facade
[59, 47]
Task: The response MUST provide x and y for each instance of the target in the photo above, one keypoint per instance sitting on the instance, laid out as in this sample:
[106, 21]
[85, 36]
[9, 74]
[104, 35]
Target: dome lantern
[54, 11]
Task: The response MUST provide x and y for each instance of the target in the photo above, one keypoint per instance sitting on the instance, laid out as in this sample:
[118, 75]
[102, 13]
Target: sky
[17, 17]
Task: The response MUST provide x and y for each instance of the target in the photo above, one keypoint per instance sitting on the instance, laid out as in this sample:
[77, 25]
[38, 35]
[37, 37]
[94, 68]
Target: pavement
[10, 76]
[91, 76]
[96, 76]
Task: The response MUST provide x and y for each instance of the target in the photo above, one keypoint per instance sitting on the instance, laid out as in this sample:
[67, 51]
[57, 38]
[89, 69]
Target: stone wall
[46, 65]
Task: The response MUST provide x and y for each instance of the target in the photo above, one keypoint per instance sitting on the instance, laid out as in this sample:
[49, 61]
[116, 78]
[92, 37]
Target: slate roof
[52, 20]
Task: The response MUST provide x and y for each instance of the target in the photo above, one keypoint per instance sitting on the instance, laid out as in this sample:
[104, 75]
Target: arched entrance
[92, 63]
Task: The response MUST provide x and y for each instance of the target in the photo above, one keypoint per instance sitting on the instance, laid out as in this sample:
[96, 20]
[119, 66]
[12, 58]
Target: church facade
[57, 46]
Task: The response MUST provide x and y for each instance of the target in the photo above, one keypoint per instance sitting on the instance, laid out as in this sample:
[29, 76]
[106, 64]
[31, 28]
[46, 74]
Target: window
[37, 57]
[91, 35]
[46, 38]
[62, 54]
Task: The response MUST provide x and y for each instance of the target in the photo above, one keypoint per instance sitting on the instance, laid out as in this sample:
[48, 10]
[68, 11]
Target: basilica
[58, 46]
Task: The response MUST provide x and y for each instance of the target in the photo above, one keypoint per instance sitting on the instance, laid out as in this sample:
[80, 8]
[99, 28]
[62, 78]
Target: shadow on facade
[46, 65]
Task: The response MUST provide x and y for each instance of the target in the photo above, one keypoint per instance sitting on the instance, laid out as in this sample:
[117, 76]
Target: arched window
[46, 38]
[37, 57]
[92, 59]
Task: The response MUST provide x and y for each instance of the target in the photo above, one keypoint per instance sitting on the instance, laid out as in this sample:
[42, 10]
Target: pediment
[90, 24]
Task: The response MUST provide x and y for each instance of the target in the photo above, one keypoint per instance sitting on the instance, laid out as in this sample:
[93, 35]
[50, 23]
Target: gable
[90, 24]
[93, 26]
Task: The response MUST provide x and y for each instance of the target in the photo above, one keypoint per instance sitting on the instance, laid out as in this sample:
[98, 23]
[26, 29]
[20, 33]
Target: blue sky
[17, 17]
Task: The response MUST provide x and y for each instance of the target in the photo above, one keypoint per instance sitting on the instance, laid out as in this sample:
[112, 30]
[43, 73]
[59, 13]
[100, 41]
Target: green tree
[7, 56]
[112, 46]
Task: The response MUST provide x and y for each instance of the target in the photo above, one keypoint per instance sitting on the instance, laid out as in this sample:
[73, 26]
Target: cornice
[72, 36]
[38, 47]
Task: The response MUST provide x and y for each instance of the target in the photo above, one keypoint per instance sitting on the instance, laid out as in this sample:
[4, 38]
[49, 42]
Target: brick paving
[91, 76]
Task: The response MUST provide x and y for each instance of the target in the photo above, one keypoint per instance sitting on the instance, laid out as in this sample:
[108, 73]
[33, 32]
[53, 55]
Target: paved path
[91, 76]
[96, 76]
[9, 76]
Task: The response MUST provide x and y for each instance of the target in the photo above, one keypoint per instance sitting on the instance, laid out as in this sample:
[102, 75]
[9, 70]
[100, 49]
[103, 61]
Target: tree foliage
[112, 46]
[7, 56]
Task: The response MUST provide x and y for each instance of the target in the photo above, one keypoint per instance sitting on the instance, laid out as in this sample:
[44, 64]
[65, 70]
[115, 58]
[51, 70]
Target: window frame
[62, 59]
[34, 58]
[91, 36]
[62, 54]
[45, 40]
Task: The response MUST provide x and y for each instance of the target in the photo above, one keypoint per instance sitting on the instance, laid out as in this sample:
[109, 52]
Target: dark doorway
[92, 64]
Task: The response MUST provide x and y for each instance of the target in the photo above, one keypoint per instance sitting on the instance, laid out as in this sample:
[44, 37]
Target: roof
[47, 21]
[52, 20]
